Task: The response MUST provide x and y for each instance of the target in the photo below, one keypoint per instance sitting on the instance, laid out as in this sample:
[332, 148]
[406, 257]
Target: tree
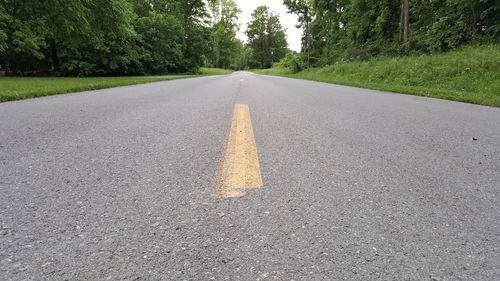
[404, 23]
[266, 37]
[21, 37]
[130, 37]
[304, 11]
[224, 25]
[161, 39]
[330, 33]
[194, 15]
[445, 25]
[183, 40]
[356, 29]
[3, 26]
[361, 29]
[95, 37]
[243, 57]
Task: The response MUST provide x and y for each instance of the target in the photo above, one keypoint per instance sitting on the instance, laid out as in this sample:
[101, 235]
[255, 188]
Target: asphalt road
[358, 184]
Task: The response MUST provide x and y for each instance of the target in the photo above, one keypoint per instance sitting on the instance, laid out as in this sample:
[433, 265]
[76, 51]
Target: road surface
[355, 184]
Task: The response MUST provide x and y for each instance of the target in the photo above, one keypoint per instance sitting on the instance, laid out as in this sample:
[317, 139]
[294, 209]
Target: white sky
[287, 20]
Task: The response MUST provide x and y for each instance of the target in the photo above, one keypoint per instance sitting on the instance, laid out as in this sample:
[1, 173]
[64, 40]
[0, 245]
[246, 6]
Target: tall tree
[266, 37]
[404, 23]
[224, 24]
[3, 26]
[197, 36]
[22, 36]
[161, 40]
[95, 37]
[304, 11]
[330, 22]
[444, 25]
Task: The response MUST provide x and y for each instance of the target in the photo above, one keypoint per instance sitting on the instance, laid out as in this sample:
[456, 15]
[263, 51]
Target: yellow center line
[240, 166]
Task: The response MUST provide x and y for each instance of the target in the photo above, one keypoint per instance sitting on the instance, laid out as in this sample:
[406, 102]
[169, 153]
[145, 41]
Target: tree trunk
[308, 43]
[56, 65]
[308, 37]
[404, 22]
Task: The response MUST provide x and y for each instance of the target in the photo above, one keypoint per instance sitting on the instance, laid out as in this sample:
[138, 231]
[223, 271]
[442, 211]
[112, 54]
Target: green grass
[470, 74]
[214, 71]
[16, 88]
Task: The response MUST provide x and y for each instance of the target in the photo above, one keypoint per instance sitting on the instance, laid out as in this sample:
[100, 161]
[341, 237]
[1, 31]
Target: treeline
[96, 37]
[132, 37]
[344, 30]
[266, 38]
[114, 37]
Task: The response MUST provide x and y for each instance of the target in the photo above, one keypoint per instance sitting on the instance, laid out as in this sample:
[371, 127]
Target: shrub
[292, 63]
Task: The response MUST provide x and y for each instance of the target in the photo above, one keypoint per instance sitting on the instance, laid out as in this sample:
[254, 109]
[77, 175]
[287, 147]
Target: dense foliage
[115, 37]
[225, 46]
[266, 37]
[344, 30]
[132, 37]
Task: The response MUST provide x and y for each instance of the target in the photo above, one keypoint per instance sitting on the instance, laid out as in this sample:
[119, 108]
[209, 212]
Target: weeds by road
[471, 74]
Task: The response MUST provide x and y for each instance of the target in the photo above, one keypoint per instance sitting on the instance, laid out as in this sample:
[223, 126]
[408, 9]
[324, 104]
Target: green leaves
[361, 29]
[266, 37]
[225, 48]
[3, 34]
[94, 37]
[161, 39]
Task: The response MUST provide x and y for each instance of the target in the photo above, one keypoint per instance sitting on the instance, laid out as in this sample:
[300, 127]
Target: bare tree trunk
[404, 21]
[56, 65]
[308, 37]
[308, 47]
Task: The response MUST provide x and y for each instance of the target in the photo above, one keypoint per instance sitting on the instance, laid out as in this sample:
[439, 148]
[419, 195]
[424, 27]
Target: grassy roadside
[16, 88]
[215, 71]
[471, 74]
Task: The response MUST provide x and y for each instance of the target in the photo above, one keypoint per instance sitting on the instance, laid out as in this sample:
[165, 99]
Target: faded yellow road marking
[240, 167]
[242, 80]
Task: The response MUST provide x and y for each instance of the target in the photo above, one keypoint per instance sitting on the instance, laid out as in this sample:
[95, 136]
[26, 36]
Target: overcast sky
[287, 20]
